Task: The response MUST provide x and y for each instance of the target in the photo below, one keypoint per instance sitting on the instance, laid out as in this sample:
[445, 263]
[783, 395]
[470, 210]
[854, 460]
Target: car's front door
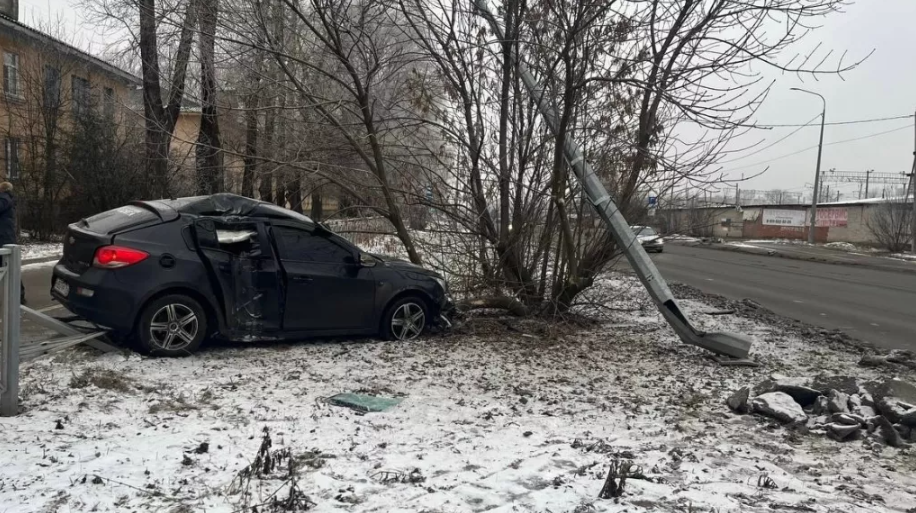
[326, 286]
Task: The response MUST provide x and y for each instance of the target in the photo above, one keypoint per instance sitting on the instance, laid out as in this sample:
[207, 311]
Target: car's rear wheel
[405, 319]
[173, 325]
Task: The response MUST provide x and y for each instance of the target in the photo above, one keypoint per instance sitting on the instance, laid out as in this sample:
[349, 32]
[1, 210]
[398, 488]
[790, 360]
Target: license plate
[62, 287]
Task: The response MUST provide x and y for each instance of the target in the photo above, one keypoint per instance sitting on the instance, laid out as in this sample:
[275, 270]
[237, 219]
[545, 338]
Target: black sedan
[174, 272]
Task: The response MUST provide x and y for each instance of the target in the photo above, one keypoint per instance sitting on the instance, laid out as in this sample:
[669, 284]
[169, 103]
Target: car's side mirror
[366, 260]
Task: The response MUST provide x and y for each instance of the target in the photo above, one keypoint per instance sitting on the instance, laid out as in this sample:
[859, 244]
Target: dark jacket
[7, 218]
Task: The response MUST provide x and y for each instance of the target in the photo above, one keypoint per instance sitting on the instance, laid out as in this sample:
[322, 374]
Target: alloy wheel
[408, 321]
[173, 327]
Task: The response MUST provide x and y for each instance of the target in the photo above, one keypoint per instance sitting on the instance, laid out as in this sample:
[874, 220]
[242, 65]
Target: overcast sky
[884, 86]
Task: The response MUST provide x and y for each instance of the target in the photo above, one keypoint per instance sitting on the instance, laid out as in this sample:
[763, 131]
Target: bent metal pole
[723, 343]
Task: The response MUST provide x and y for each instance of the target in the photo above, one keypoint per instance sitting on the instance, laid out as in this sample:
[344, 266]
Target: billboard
[782, 217]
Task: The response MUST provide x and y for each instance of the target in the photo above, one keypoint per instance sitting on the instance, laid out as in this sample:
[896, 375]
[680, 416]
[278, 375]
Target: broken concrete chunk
[841, 432]
[894, 408]
[780, 406]
[837, 402]
[886, 432]
[798, 388]
[893, 388]
[855, 402]
[865, 412]
[738, 401]
[846, 419]
[820, 406]
[867, 399]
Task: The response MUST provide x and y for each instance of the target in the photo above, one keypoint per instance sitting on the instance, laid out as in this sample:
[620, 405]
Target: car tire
[172, 325]
[395, 324]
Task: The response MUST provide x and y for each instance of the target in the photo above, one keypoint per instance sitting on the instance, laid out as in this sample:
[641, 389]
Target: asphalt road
[877, 306]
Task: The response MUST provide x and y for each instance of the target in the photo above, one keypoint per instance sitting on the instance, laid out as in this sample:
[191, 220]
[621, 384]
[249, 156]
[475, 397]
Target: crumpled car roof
[225, 204]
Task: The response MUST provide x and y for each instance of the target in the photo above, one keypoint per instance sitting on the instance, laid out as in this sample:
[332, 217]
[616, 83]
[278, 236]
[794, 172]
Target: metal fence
[10, 280]
[13, 349]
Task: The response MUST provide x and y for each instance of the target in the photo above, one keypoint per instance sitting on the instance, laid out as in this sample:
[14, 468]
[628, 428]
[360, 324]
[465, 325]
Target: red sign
[831, 217]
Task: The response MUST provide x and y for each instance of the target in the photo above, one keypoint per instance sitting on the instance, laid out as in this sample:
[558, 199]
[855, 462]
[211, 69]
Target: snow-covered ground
[904, 256]
[502, 415]
[41, 250]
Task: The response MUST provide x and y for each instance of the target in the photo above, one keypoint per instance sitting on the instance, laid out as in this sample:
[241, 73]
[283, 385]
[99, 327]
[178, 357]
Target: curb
[803, 258]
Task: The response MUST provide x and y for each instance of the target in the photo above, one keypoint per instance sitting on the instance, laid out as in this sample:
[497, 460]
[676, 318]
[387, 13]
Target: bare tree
[209, 157]
[890, 223]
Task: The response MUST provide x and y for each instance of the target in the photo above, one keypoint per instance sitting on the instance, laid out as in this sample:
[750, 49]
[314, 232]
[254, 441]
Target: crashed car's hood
[647, 238]
[398, 263]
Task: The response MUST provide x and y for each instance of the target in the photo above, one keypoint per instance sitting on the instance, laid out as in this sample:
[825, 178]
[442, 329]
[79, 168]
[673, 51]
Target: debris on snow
[623, 389]
[780, 406]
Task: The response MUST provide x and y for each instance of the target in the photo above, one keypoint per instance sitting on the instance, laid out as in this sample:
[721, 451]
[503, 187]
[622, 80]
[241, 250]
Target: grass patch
[100, 377]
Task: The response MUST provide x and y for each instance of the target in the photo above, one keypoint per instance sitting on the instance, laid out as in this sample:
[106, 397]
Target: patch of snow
[742, 245]
[844, 246]
[38, 265]
[904, 256]
[508, 421]
[41, 250]
[778, 241]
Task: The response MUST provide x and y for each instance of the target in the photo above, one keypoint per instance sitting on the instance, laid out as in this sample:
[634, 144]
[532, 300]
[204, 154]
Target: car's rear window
[119, 219]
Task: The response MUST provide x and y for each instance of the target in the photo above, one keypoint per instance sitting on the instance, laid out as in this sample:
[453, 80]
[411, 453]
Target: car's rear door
[327, 289]
[240, 259]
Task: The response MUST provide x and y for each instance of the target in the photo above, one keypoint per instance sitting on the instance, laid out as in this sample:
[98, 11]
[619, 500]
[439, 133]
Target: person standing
[8, 223]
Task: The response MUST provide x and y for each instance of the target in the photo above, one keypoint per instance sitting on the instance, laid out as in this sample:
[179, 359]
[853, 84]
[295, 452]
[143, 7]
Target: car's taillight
[113, 257]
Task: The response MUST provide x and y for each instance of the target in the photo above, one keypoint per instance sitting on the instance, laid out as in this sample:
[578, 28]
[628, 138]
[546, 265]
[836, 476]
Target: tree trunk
[160, 120]
[317, 207]
[251, 145]
[294, 192]
[209, 157]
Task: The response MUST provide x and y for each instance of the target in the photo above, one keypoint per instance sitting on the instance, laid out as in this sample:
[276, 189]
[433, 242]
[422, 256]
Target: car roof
[223, 204]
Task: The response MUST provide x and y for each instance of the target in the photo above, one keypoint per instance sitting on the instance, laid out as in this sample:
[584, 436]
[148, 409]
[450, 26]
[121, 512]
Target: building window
[12, 158]
[52, 87]
[108, 102]
[11, 74]
[80, 93]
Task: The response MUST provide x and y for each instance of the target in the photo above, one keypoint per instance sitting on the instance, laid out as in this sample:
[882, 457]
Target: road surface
[877, 306]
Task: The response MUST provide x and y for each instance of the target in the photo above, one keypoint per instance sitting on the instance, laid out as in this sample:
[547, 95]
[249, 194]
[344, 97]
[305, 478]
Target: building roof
[27, 31]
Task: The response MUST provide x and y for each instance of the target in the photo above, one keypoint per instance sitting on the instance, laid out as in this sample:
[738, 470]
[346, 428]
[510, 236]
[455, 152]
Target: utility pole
[913, 181]
[838, 195]
[867, 174]
[817, 171]
[737, 195]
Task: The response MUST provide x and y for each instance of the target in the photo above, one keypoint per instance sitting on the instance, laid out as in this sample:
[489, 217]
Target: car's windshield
[644, 231]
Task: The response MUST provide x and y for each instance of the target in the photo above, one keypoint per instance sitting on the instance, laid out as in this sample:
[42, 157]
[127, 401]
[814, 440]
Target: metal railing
[10, 286]
[14, 350]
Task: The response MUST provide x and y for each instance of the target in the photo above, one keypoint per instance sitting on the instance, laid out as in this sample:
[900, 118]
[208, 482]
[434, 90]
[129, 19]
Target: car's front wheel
[173, 325]
[405, 319]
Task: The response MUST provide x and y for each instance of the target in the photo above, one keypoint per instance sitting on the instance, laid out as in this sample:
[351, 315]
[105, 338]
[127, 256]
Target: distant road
[877, 306]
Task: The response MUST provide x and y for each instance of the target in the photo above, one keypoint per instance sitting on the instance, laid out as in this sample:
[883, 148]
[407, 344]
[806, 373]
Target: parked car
[650, 239]
[174, 272]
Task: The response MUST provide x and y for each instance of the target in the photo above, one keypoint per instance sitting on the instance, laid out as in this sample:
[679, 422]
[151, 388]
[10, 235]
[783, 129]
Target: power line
[832, 123]
[825, 144]
[790, 134]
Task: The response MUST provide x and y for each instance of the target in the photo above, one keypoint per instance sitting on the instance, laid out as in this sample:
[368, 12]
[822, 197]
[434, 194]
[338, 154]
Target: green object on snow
[364, 403]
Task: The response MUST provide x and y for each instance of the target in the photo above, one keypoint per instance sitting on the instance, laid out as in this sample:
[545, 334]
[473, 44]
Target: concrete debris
[842, 432]
[780, 406]
[885, 410]
[886, 432]
[738, 401]
[798, 388]
[847, 419]
[837, 402]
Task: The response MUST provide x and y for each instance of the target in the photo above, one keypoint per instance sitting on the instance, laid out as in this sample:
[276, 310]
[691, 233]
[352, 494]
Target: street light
[817, 172]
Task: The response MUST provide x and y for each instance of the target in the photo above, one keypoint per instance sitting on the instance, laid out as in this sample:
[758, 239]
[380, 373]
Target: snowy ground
[41, 250]
[903, 256]
[505, 415]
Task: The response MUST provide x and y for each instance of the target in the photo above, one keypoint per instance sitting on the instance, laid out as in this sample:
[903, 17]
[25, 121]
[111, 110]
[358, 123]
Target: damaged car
[172, 273]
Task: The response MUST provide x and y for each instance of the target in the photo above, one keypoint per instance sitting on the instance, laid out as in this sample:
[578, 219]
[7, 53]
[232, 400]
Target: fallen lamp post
[728, 344]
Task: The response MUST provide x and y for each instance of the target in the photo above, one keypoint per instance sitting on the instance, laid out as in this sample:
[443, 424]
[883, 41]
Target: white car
[650, 239]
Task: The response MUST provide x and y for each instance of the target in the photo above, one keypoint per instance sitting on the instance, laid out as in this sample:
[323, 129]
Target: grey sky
[884, 86]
